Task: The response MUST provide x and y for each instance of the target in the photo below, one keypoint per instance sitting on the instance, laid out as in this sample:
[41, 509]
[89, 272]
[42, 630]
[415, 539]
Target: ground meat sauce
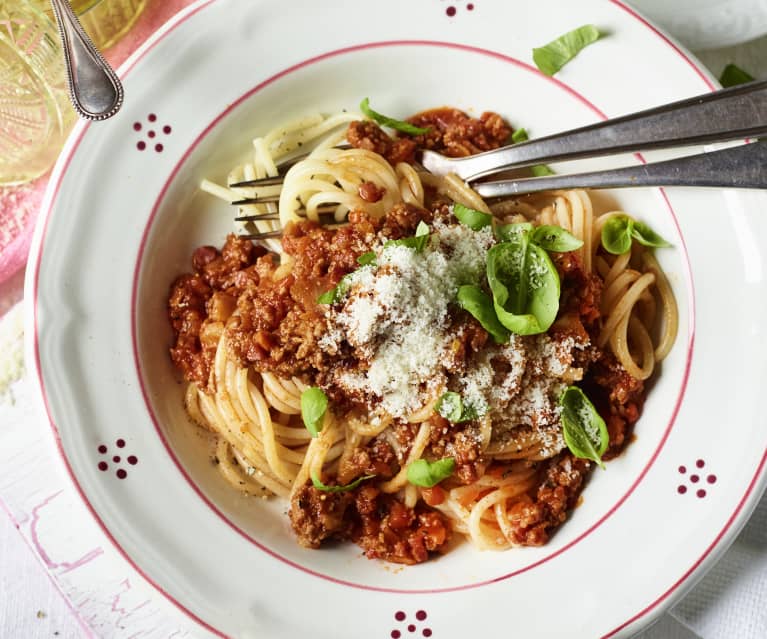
[450, 131]
[274, 324]
[455, 134]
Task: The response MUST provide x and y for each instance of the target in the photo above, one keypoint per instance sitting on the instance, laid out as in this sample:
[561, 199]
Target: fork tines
[266, 199]
[259, 216]
[267, 181]
[282, 169]
[262, 236]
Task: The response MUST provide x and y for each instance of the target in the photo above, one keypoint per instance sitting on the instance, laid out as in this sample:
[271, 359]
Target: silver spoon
[95, 89]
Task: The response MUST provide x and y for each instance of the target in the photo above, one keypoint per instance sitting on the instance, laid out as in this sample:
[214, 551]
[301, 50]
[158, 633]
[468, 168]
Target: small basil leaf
[525, 286]
[511, 232]
[541, 170]
[450, 406]
[383, 120]
[557, 53]
[338, 489]
[584, 430]
[555, 238]
[475, 220]
[646, 236]
[314, 403]
[734, 75]
[616, 234]
[520, 135]
[367, 259]
[418, 242]
[479, 304]
[335, 295]
[428, 474]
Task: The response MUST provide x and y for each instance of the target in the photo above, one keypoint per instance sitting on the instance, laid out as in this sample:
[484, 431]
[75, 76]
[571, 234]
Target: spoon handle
[95, 89]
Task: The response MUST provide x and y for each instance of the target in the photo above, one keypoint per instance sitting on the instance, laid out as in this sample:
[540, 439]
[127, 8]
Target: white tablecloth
[62, 578]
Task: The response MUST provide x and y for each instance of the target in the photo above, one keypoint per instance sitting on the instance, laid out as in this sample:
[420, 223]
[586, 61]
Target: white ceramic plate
[123, 215]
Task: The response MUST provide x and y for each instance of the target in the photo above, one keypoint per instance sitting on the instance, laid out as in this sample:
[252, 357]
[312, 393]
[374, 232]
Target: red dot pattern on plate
[103, 466]
[410, 628]
[694, 479]
[152, 133]
[452, 10]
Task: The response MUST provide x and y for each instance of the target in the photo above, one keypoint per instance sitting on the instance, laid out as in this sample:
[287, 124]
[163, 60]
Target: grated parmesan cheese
[396, 315]
[397, 319]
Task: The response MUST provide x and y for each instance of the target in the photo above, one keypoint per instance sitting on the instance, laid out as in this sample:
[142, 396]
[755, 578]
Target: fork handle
[744, 166]
[728, 114]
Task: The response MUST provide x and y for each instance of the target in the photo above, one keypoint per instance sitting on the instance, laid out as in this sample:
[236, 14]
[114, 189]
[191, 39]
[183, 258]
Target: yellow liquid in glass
[104, 20]
[35, 113]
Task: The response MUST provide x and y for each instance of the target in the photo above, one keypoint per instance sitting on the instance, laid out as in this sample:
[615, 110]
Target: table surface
[32, 578]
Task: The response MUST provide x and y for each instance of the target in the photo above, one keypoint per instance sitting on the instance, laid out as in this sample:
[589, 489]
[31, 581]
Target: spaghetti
[391, 345]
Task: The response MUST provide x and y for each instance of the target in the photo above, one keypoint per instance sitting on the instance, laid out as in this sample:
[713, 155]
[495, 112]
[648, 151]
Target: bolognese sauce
[269, 320]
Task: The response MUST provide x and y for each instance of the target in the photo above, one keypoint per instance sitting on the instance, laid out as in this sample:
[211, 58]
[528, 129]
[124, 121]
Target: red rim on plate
[51, 199]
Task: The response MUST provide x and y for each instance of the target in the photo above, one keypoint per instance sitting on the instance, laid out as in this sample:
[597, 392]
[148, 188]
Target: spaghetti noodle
[391, 343]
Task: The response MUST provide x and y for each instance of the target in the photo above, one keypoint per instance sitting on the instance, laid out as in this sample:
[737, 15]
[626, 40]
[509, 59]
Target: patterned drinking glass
[35, 113]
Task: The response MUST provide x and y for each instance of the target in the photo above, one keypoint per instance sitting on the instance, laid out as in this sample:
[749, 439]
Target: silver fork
[728, 114]
[725, 115]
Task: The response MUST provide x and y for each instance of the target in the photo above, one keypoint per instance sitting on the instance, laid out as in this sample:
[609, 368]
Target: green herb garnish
[620, 230]
[557, 53]
[512, 232]
[314, 403]
[479, 305]
[475, 220]
[555, 238]
[418, 242]
[335, 295]
[453, 409]
[428, 474]
[541, 170]
[734, 75]
[367, 259]
[584, 430]
[338, 489]
[525, 285]
[383, 120]
[520, 135]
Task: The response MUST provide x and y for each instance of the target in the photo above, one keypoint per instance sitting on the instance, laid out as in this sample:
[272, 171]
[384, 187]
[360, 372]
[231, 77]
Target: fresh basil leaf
[520, 135]
[383, 120]
[617, 233]
[584, 430]
[479, 304]
[511, 232]
[338, 489]
[314, 403]
[475, 220]
[557, 53]
[646, 236]
[541, 170]
[525, 286]
[428, 474]
[367, 259]
[418, 242]
[555, 238]
[450, 406]
[734, 75]
[335, 295]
